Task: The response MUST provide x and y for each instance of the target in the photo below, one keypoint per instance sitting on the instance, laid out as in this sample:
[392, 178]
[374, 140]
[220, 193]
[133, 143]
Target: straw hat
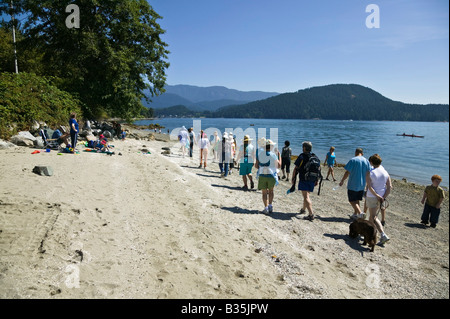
[247, 138]
[262, 141]
[270, 142]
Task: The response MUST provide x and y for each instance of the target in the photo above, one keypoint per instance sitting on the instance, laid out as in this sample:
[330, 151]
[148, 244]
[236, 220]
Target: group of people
[367, 179]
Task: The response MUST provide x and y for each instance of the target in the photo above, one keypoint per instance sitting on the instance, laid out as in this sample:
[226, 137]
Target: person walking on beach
[246, 160]
[432, 198]
[355, 171]
[183, 137]
[286, 154]
[204, 146]
[267, 163]
[305, 185]
[378, 189]
[225, 155]
[192, 140]
[215, 147]
[74, 129]
[330, 161]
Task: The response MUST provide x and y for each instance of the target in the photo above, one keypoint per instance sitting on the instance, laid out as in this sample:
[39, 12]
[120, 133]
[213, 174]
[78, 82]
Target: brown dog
[365, 228]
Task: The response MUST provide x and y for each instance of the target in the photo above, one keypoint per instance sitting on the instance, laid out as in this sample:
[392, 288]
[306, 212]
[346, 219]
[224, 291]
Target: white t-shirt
[204, 143]
[379, 177]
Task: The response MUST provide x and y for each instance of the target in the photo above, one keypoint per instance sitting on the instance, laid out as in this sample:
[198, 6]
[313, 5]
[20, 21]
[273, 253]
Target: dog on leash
[366, 229]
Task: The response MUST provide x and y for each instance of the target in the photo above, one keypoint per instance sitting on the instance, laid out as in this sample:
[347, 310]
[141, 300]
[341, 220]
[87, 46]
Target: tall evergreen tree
[109, 60]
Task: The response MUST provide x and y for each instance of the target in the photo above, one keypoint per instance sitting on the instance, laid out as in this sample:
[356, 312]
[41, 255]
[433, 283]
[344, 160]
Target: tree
[114, 55]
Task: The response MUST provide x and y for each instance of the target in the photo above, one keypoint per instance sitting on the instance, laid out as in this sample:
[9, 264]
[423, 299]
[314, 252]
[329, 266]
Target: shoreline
[145, 225]
[143, 131]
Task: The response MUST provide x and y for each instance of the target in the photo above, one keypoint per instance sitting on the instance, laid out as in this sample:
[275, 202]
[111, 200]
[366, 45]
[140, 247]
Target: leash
[384, 203]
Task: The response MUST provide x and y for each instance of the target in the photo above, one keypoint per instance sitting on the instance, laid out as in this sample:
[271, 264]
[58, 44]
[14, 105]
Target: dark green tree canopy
[108, 61]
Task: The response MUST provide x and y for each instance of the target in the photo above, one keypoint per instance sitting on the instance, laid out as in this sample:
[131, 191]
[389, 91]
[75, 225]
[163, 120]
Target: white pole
[14, 38]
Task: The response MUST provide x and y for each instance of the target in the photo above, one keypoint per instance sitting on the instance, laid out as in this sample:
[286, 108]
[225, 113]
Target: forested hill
[337, 101]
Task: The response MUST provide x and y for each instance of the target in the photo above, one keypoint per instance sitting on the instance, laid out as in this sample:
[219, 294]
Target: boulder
[43, 170]
[107, 134]
[39, 142]
[21, 141]
[5, 145]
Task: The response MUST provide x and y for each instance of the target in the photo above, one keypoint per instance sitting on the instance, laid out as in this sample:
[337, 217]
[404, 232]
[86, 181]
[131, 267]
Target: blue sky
[287, 45]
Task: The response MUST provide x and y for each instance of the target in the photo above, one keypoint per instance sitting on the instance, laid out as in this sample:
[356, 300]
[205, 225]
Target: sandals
[309, 217]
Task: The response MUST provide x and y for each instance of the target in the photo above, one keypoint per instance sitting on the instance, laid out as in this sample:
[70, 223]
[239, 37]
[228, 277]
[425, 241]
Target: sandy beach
[148, 225]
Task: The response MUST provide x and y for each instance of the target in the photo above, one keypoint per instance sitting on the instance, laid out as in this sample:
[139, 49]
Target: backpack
[286, 152]
[311, 169]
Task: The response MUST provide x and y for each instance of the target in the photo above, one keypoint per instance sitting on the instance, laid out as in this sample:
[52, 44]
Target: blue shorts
[245, 168]
[306, 186]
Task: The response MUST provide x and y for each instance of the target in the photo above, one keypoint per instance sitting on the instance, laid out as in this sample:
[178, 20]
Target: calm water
[415, 159]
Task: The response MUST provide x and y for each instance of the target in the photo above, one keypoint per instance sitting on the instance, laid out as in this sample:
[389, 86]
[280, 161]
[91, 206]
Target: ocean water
[415, 159]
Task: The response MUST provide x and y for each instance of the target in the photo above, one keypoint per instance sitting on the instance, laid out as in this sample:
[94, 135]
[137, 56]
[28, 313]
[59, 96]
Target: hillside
[203, 98]
[338, 101]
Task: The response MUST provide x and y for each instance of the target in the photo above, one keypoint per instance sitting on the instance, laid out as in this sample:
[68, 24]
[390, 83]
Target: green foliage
[338, 102]
[29, 58]
[25, 98]
[147, 112]
[109, 61]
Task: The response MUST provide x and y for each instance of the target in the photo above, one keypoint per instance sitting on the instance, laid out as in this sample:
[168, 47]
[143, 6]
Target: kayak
[411, 135]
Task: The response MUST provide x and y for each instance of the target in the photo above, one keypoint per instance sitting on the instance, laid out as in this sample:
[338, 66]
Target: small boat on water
[411, 135]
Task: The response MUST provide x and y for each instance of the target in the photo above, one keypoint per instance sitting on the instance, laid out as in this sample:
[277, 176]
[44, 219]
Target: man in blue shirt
[355, 171]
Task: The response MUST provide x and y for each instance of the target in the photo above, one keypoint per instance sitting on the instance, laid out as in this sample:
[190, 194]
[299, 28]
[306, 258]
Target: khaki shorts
[266, 182]
[372, 202]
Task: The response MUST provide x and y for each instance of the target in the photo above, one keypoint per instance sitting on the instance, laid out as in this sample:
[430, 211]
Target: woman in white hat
[246, 159]
[267, 163]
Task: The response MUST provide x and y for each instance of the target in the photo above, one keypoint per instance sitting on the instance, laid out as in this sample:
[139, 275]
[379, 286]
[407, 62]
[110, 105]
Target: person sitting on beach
[267, 163]
[103, 144]
[246, 160]
[60, 135]
[330, 161]
[432, 198]
[378, 189]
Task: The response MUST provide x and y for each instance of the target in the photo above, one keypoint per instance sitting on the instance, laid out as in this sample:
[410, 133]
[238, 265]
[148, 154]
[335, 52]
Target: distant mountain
[337, 101]
[214, 93]
[203, 98]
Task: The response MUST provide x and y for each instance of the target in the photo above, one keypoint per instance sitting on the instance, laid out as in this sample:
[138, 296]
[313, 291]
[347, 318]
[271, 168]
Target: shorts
[266, 182]
[245, 168]
[286, 162]
[354, 196]
[306, 186]
[372, 202]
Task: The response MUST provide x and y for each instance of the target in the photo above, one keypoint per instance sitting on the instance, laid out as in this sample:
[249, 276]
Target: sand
[141, 225]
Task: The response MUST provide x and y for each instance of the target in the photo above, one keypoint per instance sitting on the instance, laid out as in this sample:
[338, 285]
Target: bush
[26, 97]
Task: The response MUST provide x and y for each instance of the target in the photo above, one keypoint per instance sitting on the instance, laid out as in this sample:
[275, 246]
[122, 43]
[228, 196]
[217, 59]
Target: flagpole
[14, 37]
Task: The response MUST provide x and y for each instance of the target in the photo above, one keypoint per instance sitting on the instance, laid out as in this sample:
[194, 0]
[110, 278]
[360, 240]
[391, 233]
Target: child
[286, 154]
[434, 195]
[330, 160]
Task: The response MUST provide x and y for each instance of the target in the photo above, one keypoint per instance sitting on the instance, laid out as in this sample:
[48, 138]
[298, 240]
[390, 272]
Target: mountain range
[336, 101]
[203, 98]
